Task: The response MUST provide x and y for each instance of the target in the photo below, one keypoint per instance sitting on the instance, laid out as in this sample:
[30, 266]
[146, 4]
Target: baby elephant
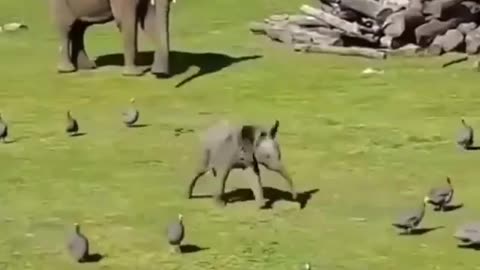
[227, 147]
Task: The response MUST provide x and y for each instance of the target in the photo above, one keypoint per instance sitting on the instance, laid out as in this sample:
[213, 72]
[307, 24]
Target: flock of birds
[78, 244]
[439, 197]
[129, 118]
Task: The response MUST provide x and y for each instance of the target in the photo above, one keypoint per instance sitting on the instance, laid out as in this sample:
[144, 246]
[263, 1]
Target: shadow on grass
[14, 140]
[272, 195]
[180, 131]
[94, 258]
[421, 231]
[138, 126]
[473, 246]
[472, 148]
[180, 62]
[191, 248]
[79, 134]
[453, 207]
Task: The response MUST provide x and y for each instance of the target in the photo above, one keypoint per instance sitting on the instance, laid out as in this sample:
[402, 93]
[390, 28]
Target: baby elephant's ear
[274, 129]
[247, 133]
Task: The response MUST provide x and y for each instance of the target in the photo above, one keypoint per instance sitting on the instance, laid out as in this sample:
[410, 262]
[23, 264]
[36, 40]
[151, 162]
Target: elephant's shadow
[180, 62]
[271, 195]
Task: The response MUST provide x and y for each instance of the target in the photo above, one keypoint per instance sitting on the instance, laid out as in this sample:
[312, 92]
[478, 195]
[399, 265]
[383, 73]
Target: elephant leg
[218, 197]
[79, 55]
[156, 26]
[282, 171]
[63, 20]
[198, 175]
[202, 169]
[257, 187]
[125, 13]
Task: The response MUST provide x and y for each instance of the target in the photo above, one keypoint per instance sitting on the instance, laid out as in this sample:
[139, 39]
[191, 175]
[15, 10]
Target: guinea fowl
[465, 138]
[3, 130]
[176, 233]
[131, 115]
[72, 125]
[78, 245]
[468, 233]
[411, 219]
[441, 196]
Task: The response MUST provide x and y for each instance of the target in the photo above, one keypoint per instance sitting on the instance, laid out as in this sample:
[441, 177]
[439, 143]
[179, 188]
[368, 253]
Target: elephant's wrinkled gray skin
[227, 147]
[73, 17]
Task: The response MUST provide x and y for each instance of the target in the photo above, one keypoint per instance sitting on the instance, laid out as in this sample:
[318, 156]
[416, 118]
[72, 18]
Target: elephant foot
[162, 75]
[65, 67]
[160, 72]
[175, 249]
[262, 204]
[294, 196]
[132, 71]
[219, 201]
[188, 194]
[85, 63]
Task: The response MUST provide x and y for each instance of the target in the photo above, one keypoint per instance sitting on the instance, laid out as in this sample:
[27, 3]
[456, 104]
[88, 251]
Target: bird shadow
[139, 125]
[473, 246]
[191, 248]
[421, 231]
[79, 134]
[180, 131]
[207, 62]
[94, 258]
[472, 148]
[205, 196]
[452, 207]
[271, 194]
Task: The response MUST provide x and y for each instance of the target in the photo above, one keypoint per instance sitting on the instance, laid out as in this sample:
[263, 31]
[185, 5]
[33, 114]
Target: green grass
[371, 145]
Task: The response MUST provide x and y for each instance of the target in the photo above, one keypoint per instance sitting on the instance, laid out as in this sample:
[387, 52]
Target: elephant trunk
[161, 63]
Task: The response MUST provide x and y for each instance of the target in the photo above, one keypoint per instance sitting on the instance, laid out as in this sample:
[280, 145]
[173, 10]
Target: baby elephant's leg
[280, 169]
[218, 197]
[201, 170]
[256, 187]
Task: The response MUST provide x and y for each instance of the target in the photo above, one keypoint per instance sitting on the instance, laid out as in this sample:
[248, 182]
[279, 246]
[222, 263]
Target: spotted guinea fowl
[468, 233]
[441, 196]
[78, 245]
[3, 130]
[411, 219]
[131, 115]
[176, 233]
[72, 125]
[466, 135]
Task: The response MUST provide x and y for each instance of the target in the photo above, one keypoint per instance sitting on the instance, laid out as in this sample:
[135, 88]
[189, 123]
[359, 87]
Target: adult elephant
[73, 17]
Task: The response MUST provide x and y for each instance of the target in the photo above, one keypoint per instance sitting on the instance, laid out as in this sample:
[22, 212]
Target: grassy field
[372, 146]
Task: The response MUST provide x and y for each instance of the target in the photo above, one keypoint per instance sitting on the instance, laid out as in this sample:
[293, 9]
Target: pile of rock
[373, 28]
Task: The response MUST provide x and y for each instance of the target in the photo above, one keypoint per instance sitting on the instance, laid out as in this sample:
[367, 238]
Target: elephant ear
[247, 134]
[274, 129]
